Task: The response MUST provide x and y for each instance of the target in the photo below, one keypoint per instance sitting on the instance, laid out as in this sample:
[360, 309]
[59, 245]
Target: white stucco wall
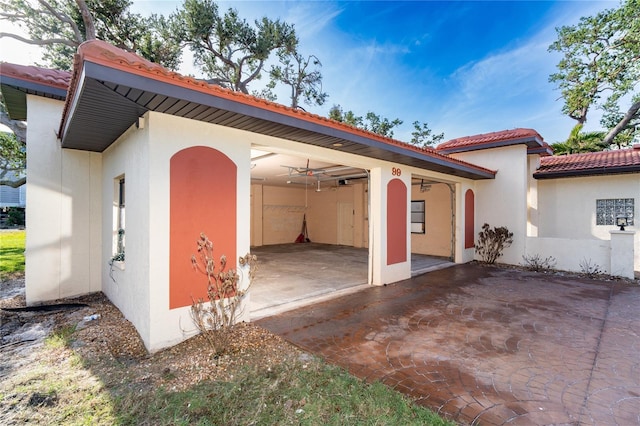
[63, 250]
[567, 208]
[502, 201]
[127, 285]
[169, 135]
[141, 290]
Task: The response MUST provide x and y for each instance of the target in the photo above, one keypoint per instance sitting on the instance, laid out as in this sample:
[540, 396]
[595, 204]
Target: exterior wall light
[621, 221]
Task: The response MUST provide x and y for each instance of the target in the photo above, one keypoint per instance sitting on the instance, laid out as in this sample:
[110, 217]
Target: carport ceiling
[286, 170]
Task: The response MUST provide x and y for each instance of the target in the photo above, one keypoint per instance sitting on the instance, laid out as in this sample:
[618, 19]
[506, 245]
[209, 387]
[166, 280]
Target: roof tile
[592, 163]
[53, 78]
[487, 140]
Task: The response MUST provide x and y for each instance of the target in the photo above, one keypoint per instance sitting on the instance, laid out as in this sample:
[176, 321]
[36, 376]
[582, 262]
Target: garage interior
[325, 208]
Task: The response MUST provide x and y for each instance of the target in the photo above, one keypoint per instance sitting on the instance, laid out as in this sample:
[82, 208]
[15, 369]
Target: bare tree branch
[45, 42]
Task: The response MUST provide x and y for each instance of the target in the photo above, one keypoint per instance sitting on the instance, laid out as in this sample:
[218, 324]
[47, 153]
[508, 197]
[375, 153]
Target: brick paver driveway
[485, 345]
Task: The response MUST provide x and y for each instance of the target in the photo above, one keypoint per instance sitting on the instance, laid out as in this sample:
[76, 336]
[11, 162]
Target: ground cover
[11, 252]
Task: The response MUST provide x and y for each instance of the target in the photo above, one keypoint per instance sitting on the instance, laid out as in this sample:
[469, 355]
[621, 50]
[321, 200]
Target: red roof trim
[529, 137]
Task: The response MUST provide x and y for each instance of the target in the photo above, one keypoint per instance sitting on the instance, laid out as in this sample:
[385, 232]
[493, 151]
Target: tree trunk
[632, 113]
[90, 28]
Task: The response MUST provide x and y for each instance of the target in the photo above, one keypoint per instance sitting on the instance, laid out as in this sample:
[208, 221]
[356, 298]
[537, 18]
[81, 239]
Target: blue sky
[464, 67]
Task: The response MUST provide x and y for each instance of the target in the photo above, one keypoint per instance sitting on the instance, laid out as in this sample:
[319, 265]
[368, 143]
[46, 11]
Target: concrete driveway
[484, 345]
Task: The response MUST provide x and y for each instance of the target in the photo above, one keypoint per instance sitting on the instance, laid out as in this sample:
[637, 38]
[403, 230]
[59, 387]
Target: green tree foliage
[228, 49]
[423, 136]
[371, 122]
[336, 113]
[600, 67]
[12, 150]
[60, 26]
[13, 160]
[294, 71]
[579, 142]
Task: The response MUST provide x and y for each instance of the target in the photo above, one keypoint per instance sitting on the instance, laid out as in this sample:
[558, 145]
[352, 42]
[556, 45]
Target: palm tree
[579, 141]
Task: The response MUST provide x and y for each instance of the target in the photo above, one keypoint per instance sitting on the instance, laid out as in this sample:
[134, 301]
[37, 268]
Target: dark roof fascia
[545, 149]
[530, 141]
[616, 170]
[16, 103]
[115, 76]
[31, 87]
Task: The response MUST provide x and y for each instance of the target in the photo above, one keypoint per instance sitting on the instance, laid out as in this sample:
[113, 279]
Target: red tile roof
[103, 53]
[592, 163]
[53, 78]
[497, 139]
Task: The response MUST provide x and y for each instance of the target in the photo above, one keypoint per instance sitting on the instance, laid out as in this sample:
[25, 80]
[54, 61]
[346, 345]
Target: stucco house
[180, 157]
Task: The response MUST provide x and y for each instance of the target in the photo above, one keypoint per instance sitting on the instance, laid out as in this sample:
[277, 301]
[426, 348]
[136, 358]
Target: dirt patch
[112, 352]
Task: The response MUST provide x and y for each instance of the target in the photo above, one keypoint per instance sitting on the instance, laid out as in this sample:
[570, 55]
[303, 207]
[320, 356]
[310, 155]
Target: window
[417, 217]
[119, 222]
[609, 209]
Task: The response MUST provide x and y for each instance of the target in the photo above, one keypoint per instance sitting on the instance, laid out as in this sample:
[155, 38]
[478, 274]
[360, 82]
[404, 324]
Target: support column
[622, 253]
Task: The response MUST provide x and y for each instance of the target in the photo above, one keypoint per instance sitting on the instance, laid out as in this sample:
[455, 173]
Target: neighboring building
[12, 197]
[193, 157]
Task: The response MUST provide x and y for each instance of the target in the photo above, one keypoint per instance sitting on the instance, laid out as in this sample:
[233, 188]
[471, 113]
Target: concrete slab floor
[484, 345]
[294, 275]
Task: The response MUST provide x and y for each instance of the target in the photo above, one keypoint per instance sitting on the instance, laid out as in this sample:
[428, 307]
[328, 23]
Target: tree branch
[633, 112]
[19, 128]
[63, 18]
[90, 28]
[13, 183]
[46, 42]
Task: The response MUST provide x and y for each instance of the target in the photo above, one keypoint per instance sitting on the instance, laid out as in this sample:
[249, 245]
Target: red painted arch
[203, 196]
[396, 222]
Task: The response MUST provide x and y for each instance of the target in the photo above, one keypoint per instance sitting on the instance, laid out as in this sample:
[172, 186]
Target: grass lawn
[11, 253]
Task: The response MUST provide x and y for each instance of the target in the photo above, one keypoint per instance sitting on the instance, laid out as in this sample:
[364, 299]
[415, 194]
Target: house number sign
[395, 171]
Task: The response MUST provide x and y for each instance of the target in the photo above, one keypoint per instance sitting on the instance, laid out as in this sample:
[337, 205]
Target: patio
[485, 345]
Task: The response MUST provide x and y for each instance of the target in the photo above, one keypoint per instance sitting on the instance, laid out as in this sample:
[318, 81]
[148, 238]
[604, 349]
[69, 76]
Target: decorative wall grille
[609, 209]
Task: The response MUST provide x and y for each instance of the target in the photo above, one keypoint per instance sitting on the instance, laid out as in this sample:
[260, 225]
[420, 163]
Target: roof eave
[532, 142]
[99, 73]
[20, 88]
[616, 170]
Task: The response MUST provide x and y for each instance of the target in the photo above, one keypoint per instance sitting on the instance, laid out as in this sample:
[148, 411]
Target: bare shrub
[492, 242]
[538, 264]
[215, 316]
[590, 269]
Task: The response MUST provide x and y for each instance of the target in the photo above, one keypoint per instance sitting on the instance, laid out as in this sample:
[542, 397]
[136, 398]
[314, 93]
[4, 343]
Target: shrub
[590, 269]
[491, 242]
[537, 263]
[215, 316]
[15, 216]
